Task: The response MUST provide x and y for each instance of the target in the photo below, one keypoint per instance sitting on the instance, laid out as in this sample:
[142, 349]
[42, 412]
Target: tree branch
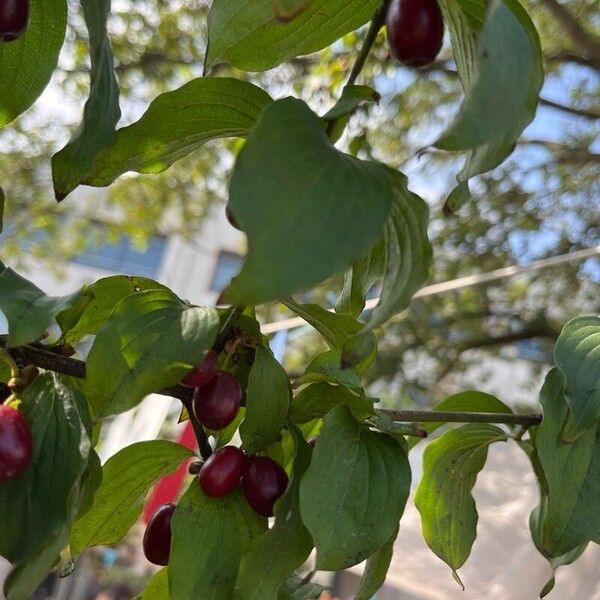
[583, 39]
[434, 416]
[579, 112]
[563, 152]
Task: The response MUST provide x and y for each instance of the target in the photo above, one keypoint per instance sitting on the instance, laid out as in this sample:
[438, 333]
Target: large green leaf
[376, 570]
[101, 113]
[29, 311]
[501, 68]
[150, 342]
[210, 535]
[450, 468]
[247, 34]
[317, 399]
[127, 478]
[569, 512]
[408, 252]
[267, 402]
[354, 492]
[577, 355]
[37, 506]
[274, 556]
[27, 64]
[322, 210]
[107, 293]
[179, 122]
[286, 10]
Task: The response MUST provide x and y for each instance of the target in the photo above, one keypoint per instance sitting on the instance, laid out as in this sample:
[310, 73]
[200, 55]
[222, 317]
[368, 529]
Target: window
[122, 257]
[228, 266]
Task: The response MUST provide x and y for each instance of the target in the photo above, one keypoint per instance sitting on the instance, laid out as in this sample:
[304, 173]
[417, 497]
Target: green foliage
[150, 342]
[576, 355]
[210, 535]
[157, 588]
[101, 113]
[275, 555]
[27, 64]
[248, 36]
[30, 312]
[37, 507]
[119, 500]
[376, 570]
[179, 122]
[319, 194]
[354, 491]
[450, 468]
[267, 403]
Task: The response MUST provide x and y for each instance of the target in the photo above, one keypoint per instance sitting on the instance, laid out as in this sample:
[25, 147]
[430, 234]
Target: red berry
[203, 373]
[222, 471]
[415, 31]
[14, 18]
[264, 482]
[16, 443]
[157, 537]
[231, 218]
[217, 402]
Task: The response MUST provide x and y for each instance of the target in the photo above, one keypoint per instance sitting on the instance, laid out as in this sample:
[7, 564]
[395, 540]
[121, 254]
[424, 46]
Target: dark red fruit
[222, 471]
[204, 372]
[264, 482]
[217, 402]
[16, 443]
[14, 18]
[231, 218]
[157, 537]
[415, 31]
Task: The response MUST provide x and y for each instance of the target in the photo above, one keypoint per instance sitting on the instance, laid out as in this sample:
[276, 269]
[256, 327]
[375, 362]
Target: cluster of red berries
[14, 18]
[216, 401]
[16, 443]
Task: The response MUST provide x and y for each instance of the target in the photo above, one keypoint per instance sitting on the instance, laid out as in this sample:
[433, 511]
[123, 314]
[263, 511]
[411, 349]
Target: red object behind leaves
[168, 489]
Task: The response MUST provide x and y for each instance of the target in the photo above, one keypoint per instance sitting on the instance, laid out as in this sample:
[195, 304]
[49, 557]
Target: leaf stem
[377, 22]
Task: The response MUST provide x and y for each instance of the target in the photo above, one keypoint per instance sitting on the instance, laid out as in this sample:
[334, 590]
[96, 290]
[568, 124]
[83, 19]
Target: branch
[565, 56]
[45, 359]
[583, 39]
[377, 22]
[579, 112]
[564, 153]
[509, 338]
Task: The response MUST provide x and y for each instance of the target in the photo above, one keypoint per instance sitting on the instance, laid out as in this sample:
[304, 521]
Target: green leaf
[107, 293]
[179, 122]
[295, 589]
[502, 72]
[327, 367]
[157, 588]
[27, 576]
[150, 342]
[286, 10]
[127, 478]
[267, 402]
[247, 35]
[408, 253]
[210, 535]
[322, 210]
[359, 280]
[317, 399]
[577, 355]
[376, 570]
[467, 401]
[340, 332]
[569, 512]
[354, 492]
[37, 506]
[352, 97]
[27, 64]
[450, 468]
[271, 558]
[29, 311]
[101, 112]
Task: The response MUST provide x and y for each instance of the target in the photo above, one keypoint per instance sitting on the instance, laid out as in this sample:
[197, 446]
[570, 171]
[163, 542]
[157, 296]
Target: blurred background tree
[541, 202]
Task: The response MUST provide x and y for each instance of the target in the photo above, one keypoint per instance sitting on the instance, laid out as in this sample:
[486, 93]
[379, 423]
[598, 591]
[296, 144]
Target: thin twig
[377, 23]
[434, 416]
